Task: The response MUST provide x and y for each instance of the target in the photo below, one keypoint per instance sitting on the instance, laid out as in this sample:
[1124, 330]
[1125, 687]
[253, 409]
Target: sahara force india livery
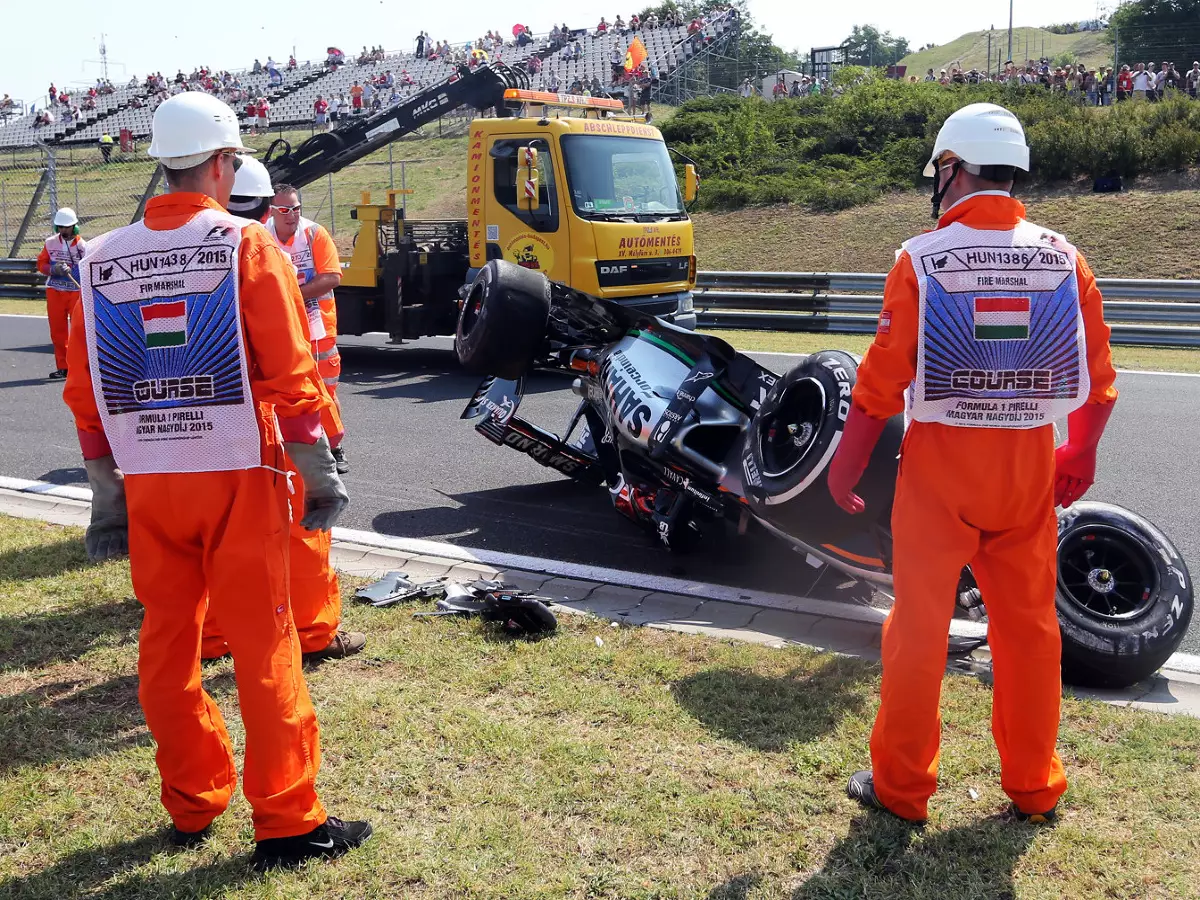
[166, 350]
[1002, 339]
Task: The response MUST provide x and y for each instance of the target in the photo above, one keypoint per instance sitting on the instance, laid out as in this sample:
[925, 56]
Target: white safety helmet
[190, 127]
[64, 217]
[982, 134]
[252, 180]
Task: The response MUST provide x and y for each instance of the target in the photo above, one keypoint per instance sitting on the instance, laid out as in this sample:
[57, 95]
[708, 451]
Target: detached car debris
[517, 612]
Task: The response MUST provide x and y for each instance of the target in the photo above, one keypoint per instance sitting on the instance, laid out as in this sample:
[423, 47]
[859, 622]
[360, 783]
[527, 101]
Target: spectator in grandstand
[393, 98]
[635, 24]
[1192, 80]
[45, 117]
[616, 60]
[321, 113]
[619, 25]
[551, 83]
[263, 108]
[343, 107]
[368, 92]
[602, 28]
[52, 92]
[356, 98]
[1170, 79]
[652, 21]
[7, 108]
[746, 91]
[291, 62]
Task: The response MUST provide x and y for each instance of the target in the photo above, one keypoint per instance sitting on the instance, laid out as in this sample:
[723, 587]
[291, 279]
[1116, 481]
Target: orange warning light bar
[551, 99]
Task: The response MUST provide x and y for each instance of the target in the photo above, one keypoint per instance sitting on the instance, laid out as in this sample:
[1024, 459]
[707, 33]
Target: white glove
[324, 494]
[107, 536]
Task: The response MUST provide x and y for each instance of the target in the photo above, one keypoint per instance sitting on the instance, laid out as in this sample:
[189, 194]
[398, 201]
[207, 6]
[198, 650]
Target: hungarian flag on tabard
[1001, 318]
[635, 55]
[165, 323]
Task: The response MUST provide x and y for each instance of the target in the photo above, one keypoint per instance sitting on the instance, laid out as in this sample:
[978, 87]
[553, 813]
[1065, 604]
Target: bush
[831, 152]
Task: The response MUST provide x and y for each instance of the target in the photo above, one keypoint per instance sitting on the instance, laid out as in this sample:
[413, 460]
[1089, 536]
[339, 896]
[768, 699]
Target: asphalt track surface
[419, 471]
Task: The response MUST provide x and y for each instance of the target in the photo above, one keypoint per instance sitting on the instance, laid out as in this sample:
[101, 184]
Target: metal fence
[107, 193]
[1140, 311]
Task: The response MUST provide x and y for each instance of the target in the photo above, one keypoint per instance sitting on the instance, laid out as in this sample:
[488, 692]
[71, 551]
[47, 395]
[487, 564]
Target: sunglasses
[237, 158]
[285, 210]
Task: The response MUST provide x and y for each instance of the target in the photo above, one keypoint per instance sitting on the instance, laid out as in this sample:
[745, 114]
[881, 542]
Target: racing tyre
[1124, 596]
[502, 324]
[789, 445]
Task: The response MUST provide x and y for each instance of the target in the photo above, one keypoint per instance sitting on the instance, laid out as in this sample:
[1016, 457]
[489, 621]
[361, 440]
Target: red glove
[859, 438]
[1075, 461]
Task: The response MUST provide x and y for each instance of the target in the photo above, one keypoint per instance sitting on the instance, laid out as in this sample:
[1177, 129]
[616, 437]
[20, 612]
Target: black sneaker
[333, 838]
[862, 789]
[57, 375]
[189, 839]
[1013, 814]
[339, 457]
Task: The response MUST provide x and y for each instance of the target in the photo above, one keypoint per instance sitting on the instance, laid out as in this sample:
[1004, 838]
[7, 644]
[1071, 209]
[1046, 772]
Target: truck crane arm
[329, 152]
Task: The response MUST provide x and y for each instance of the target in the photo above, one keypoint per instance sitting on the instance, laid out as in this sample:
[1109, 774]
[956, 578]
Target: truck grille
[624, 272]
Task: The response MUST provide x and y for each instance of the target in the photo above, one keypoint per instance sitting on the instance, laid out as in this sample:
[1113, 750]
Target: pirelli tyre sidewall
[1113, 651]
[792, 493]
[503, 321]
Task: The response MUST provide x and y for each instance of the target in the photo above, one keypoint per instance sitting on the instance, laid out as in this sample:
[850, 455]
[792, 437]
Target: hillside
[971, 50]
[1145, 232]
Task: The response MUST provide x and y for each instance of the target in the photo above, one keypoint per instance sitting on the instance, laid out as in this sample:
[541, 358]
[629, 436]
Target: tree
[867, 46]
[753, 53]
[1156, 30]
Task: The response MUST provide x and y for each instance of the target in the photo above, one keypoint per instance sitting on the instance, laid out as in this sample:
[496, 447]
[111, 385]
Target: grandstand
[668, 48]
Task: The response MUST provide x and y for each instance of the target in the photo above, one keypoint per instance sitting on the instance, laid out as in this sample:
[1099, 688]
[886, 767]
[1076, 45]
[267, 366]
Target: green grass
[970, 51]
[1155, 359]
[641, 765]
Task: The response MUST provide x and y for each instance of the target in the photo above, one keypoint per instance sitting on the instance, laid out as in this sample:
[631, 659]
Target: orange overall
[315, 594]
[224, 534]
[980, 496]
[325, 261]
[60, 299]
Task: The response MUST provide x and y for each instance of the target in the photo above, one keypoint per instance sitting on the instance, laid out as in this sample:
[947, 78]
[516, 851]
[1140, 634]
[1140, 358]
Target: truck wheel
[789, 445]
[502, 324]
[1124, 596]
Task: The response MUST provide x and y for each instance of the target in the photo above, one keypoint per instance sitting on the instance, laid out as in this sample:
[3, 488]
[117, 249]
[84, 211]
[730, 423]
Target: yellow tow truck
[589, 199]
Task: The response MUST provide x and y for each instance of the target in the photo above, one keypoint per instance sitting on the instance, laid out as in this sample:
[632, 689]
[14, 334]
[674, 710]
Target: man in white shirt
[1142, 82]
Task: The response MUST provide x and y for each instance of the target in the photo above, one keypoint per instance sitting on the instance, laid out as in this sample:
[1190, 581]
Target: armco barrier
[20, 280]
[1143, 312]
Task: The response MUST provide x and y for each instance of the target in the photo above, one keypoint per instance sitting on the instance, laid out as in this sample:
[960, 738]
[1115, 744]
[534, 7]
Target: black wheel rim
[789, 433]
[1106, 573]
[471, 309]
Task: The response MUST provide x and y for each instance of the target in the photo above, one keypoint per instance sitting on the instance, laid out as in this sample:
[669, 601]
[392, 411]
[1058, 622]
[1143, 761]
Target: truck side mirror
[527, 180]
[691, 183]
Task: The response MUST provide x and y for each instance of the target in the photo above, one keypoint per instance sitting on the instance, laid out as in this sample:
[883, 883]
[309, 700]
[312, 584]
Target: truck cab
[589, 199]
[609, 217]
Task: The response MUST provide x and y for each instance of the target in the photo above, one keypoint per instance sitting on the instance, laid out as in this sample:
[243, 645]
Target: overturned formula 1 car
[686, 432]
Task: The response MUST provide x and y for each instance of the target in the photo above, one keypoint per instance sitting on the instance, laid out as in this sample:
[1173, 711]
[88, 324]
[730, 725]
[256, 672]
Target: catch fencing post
[332, 211]
[52, 171]
[391, 174]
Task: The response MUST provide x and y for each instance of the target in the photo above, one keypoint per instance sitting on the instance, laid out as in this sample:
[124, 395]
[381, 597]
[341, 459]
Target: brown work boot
[344, 643]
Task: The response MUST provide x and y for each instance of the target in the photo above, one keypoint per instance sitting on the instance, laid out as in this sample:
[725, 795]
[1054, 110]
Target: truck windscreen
[619, 177]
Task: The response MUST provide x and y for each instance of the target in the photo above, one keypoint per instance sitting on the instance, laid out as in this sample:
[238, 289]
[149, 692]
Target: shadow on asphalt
[426, 374]
[27, 382]
[103, 873]
[771, 714]
[74, 475]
